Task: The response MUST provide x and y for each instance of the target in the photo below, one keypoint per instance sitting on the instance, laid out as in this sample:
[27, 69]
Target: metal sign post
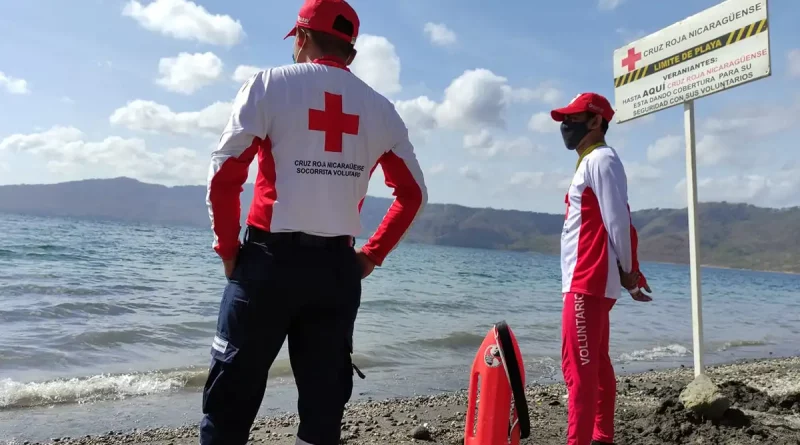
[720, 48]
[694, 245]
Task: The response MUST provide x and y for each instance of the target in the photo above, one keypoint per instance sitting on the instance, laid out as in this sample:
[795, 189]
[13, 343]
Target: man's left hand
[367, 266]
[229, 266]
[628, 280]
[640, 296]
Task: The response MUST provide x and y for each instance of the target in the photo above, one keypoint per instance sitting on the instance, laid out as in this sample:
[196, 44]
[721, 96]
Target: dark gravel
[765, 409]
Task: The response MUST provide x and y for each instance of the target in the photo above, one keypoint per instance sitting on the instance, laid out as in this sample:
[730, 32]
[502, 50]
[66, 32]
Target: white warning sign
[720, 48]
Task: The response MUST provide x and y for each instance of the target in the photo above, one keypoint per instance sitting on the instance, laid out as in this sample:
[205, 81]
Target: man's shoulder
[603, 164]
[287, 72]
[287, 75]
[304, 71]
[604, 156]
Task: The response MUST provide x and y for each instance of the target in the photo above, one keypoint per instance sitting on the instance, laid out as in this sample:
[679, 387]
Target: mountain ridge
[740, 236]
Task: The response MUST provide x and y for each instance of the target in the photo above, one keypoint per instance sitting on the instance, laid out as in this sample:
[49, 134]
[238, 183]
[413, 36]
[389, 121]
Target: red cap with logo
[592, 102]
[320, 15]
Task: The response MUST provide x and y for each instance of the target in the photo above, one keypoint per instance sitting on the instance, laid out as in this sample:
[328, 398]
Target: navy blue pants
[310, 295]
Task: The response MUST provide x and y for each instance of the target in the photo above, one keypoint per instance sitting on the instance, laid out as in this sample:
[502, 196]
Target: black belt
[259, 236]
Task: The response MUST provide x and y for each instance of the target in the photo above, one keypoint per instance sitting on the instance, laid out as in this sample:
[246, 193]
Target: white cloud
[436, 169]
[609, 5]
[419, 114]
[638, 172]
[244, 72]
[188, 73]
[778, 189]
[545, 93]
[144, 115]
[665, 148]
[557, 181]
[67, 151]
[377, 64]
[543, 123]
[440, 34]
[471, 173]
[725, 138]
[711, 149]
[551, 181]
[794, 62]
[475, 100]
[13, 85]
[629, 35]
[485, 145]
[186, 20]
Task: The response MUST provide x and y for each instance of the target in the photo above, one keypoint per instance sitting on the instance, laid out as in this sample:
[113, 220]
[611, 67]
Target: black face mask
[573, 133]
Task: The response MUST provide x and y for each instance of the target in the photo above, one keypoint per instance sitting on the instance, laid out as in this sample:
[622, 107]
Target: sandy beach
[765, 396]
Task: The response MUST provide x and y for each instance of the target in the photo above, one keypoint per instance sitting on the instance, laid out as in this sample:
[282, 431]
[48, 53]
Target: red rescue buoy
[497, 377]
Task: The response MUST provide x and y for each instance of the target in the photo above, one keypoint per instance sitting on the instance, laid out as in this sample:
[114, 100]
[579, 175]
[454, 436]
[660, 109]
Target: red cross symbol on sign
[333, 122]
[631, 60]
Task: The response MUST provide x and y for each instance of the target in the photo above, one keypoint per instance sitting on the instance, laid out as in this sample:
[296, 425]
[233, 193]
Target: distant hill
[732, 235]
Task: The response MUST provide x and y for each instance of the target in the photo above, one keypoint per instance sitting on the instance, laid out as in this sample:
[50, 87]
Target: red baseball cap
[320, 15]
[585, 102]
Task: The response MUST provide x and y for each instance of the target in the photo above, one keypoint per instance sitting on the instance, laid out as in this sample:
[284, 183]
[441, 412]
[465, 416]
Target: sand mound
[743, 423]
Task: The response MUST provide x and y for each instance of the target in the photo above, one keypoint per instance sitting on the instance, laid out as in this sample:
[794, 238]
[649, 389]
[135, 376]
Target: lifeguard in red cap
[318, 132]
[598, 258]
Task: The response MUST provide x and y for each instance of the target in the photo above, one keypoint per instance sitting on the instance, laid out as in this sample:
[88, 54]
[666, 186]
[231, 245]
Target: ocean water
[106, 326]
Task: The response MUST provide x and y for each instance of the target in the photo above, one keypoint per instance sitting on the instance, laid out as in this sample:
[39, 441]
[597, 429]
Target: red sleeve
[224, 206]
[230, 163]
[402, 173]
[635, 254]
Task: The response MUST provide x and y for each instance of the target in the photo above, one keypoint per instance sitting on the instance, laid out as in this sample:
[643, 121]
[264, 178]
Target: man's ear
[351, 57]
[596, 122]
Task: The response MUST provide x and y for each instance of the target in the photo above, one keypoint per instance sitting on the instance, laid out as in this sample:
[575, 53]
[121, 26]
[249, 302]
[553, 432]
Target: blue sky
[104, 88]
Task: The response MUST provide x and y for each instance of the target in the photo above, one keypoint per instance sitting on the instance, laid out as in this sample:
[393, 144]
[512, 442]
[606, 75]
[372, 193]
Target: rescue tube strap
[358, 371]
[511, 365]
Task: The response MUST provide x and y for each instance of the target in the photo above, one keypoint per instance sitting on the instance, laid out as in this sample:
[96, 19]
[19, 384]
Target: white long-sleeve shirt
[598, 231]
[319, 132]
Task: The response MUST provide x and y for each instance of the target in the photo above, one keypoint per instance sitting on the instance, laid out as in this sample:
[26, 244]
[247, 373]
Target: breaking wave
[657, 353]
[77, 390]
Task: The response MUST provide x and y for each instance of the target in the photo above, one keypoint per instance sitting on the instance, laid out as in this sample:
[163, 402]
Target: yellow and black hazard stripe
[719, 42]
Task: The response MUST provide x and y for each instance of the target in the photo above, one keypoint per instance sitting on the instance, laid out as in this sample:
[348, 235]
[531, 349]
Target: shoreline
[765, 396]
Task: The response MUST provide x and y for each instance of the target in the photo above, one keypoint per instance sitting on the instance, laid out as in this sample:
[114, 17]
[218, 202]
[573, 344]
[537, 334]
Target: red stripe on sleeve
[264, 192]
[635, 255]
[591, 268]
[224, 189]
[403, 211]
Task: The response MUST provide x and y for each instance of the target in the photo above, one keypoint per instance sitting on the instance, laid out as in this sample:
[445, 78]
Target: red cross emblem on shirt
[333, 121]
[631, 60]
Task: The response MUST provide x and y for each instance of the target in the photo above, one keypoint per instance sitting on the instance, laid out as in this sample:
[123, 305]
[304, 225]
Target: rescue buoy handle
[512, 367]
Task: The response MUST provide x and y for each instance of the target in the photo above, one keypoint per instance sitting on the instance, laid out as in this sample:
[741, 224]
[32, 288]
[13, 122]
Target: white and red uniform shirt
[319, 132]
[598, 231]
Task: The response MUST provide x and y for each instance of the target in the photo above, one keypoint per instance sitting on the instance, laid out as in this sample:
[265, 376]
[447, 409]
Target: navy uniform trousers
[284, 285]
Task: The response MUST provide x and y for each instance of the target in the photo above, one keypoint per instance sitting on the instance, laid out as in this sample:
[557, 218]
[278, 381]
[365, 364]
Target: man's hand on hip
[229, 266]
[367, 266]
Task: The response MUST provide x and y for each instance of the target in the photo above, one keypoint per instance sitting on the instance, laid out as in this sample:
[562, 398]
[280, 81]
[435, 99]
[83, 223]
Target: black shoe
[594, 442]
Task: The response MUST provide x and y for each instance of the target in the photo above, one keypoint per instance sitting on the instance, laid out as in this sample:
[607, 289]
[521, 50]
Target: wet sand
[765, 396]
